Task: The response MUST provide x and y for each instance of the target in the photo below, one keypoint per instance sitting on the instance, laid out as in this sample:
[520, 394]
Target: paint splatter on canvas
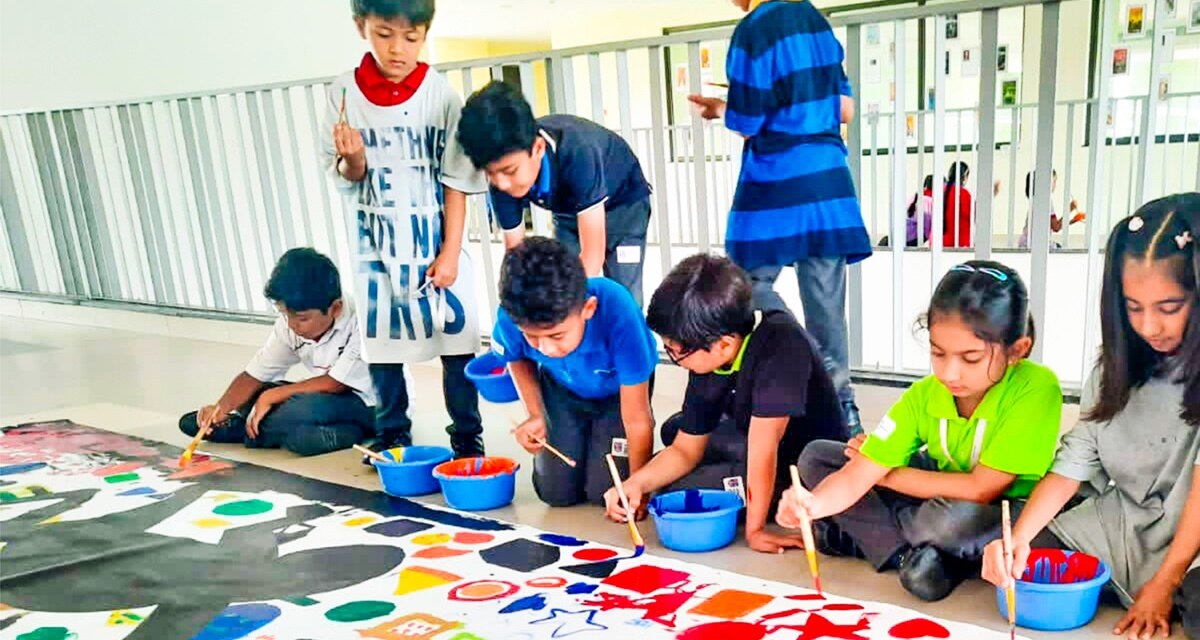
[103, 539]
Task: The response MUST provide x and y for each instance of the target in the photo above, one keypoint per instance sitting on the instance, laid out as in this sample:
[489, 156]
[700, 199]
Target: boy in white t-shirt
[404, 178]
[327, 412]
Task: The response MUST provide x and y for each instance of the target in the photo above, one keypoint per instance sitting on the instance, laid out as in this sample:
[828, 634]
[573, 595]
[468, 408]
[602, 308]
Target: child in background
[757, 394]
[1056, 223]
[1136, 449]
[330, 411]
[404, 179]
[585, 174]
[582, 360]
[989, 419]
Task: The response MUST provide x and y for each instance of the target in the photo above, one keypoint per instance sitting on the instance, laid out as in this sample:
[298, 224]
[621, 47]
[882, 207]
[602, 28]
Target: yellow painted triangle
[51, 520]
[419, 578]
[118, 618]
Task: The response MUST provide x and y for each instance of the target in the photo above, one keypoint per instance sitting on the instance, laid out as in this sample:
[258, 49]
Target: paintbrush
[806, 531]
[1010, 592]
[568, 460]
[639, 545]
[342, 110]
[371, 454]
[186, 457]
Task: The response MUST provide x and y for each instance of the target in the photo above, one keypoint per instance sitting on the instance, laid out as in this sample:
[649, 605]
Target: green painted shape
[302, 601]
[121, 477]
[48, 633]
[360, 610]
[8, 496]
[243, 508]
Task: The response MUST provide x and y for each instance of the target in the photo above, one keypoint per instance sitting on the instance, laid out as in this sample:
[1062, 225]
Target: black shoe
[832, 541]
[853, 421]
[465, 445]
[385, 442]
[930, 574]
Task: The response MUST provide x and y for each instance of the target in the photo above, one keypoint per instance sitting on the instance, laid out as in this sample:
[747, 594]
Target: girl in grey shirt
[1136, 450]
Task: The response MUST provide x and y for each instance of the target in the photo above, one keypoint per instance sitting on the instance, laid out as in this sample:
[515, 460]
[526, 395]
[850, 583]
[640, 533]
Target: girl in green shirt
[921, 492]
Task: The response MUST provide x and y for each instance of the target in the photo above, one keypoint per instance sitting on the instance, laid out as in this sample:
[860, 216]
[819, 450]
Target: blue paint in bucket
[696, 520]
[413, 476]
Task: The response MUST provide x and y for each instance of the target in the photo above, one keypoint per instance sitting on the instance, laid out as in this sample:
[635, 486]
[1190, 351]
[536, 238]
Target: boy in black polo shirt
[757, 394]
[586, 175]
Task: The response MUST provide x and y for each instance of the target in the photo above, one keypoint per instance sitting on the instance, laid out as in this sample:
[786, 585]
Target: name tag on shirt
[735, 486]
[629, 254]
[620, 448]
[886, 428]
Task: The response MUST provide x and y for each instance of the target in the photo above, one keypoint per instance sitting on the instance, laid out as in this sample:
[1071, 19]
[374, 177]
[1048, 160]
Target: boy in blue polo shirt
[585, 174]
[582, 357]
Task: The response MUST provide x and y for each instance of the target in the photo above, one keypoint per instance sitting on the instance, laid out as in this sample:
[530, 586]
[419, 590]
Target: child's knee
[559, 490]
[188, 424]
[819, 459]
[952, 524]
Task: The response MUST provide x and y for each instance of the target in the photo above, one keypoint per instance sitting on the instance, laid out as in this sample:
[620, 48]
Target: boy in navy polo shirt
[582, 357]
[756, 396]
[585, 174]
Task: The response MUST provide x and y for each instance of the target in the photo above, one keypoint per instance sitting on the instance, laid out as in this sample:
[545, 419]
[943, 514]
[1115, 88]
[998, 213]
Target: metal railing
[186, 201]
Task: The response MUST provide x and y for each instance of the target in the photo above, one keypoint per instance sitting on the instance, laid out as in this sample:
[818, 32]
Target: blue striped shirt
[795, 197]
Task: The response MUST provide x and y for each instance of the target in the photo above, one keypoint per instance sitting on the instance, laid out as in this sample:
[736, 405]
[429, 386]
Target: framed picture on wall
[1194, 17]
[952, 27]
[1002, 58]
[1008, 93]
[1135, 20]
[1170, 9]
[872, 35]
[1120, 61]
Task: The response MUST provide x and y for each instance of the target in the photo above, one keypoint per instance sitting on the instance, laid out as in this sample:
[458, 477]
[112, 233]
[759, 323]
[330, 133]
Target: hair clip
[1183, 239]
[1136, 223]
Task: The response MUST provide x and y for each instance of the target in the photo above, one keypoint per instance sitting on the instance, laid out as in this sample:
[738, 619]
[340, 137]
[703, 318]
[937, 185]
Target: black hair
[1159, 230]
[958, 173]
[496, 121]
[541, 283]
[989, 297]
[1029, 182]
[416, 12]
[702, 299]
[304, 279]
[927, 185]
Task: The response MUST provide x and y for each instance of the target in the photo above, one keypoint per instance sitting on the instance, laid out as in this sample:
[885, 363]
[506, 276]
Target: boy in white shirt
[331, 411]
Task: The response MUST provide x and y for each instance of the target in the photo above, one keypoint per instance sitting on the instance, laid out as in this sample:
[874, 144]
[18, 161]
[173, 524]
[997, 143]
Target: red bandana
[383, 92]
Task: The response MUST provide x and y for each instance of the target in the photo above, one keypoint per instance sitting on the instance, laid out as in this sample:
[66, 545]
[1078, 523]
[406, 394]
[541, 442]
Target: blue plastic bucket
[490, 375]
[1059, 591]
[412, 475]
[478, 484]
[696, 519]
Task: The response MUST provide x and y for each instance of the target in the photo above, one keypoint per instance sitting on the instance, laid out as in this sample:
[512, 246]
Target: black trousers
[462, 400]
[625, 226]
[308, 424]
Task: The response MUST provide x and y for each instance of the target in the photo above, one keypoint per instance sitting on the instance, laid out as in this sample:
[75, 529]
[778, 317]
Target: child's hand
[444, 270]
[213, 415]
[765, 542]
[1150, 613]
[348, 142]
[794, 500]
[709, 108]
[266, 401]
[616, 511]
[530, 434]
[996, 571]
[856, 443]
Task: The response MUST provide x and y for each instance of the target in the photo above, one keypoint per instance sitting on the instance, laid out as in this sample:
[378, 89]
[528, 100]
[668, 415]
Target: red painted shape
[918, 628]
[594, 555]
[818, 627]
[724, 631]
[200, 468]
[124, 467]
[842, 607]
[781, 614]
[660, 608]
[646, 578]
[440, 552]
[549, 582]
[807, 597]
[471, 537]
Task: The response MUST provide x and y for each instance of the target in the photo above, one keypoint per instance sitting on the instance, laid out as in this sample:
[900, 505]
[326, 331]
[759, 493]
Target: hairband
[1183, 239]
[1136, 223]
[995, 273]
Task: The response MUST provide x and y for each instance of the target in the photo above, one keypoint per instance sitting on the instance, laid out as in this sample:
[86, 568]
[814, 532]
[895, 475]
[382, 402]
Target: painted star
[571, 622]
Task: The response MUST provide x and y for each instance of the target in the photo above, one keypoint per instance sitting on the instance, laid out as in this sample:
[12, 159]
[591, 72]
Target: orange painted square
[732, 604]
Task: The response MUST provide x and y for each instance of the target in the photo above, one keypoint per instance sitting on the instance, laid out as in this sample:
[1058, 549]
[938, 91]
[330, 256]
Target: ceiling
[532, 19]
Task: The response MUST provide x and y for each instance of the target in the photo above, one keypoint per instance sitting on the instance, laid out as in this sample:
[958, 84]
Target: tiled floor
[139, 384]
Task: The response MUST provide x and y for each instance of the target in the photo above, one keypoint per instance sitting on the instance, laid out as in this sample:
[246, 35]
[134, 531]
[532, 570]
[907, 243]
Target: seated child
[756, 395]
[582, 360]
[988, 420]
[325, 413]
[586, 175]
[1137, 447]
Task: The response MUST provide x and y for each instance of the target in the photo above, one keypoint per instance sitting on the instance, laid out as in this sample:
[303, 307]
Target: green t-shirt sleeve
[1025, 431]
[897, 437]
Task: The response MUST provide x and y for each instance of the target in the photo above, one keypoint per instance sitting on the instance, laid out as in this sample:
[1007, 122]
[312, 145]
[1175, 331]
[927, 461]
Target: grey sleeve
[1078, 456]
[458, 172]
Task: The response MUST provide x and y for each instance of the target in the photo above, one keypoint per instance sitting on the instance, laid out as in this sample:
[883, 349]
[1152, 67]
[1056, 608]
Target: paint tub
[696, 519]
[490, 375]
[412, 472]
[478, 484]
[1059, 590]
